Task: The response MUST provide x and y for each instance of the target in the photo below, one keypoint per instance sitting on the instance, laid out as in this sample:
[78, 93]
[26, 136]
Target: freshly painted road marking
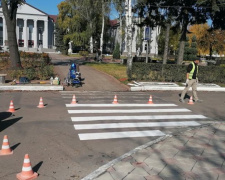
[119, 105]
[125, 134]
[153, 117]
[127, 111]
[134, 125]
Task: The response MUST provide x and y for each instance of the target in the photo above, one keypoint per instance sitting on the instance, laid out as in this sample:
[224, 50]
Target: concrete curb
[161, 88]
[31, 88]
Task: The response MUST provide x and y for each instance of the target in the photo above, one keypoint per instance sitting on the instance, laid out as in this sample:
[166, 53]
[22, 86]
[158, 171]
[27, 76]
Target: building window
[20, 32]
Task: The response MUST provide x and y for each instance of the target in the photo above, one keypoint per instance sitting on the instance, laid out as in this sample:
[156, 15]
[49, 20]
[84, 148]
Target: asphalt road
[49, 137]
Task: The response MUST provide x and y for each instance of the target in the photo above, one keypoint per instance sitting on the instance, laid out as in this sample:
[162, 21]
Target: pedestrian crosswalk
[95, 121]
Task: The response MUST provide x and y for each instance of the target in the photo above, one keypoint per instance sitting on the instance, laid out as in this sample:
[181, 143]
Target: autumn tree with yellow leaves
[208, 41]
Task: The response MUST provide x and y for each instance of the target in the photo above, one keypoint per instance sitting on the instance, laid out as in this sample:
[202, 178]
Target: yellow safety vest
[193, 70]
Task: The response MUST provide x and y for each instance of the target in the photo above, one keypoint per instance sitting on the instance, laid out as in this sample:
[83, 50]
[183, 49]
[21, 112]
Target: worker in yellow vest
[191, 81]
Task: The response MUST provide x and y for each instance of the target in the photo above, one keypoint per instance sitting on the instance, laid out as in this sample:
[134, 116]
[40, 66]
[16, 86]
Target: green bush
[116, 52]
[44, 71]
[30, 73]
[175, 73]
[83, 53]
[16, 74]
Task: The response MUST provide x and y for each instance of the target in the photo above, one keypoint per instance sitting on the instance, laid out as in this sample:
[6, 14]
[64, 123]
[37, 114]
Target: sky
[48, 6]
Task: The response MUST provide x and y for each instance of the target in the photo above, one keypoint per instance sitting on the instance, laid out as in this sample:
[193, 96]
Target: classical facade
[34, 29]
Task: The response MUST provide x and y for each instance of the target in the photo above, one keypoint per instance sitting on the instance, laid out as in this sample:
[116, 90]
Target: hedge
[175, 73]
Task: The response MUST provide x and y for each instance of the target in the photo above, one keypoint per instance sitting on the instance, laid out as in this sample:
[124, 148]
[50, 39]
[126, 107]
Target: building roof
[113, 22]
[54, 17]
[36, 8]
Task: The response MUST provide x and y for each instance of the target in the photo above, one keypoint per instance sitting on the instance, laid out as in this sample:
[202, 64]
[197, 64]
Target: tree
[165, 54]
[9, 8]
[215, 12]
[208, 39]
[190, 49]
[200, 31]
[90, 13]
[173, 41]
[120, 7]
[105, 9]
[129, 38]
[185, 13]
[59, 42]
[193, 49]
[116, 52]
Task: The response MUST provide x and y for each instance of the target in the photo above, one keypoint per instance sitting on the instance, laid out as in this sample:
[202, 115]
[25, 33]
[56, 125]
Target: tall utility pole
[128, 10]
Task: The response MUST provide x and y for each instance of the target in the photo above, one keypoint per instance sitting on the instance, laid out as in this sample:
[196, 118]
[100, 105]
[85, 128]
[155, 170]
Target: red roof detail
[54, 17]
[113, 22]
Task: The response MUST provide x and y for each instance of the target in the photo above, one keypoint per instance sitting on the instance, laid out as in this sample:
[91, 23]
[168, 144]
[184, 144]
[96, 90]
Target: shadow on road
[15, 146]
[37, 166]
[4, 124]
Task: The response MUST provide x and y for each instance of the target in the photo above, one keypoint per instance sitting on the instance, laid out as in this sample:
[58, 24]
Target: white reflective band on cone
[5, 147]
[26, 169]
[26, 161]
[5, 140]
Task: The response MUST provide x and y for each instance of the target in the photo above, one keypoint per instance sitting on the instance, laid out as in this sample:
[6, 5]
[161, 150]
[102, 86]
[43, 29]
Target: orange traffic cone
[115, 100]
[41, 104]
[5, 147]
[11, 107]
[74, 101]
[27, 172]
[150, 100]
[190, 100]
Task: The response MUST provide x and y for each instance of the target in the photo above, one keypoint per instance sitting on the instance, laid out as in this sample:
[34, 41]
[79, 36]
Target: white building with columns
[34, 29]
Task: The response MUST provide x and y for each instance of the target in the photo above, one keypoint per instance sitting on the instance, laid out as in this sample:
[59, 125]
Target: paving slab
[205, 161]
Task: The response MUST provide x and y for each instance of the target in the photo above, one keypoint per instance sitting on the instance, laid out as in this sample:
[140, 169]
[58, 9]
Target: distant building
[153, 43]
[34, 29]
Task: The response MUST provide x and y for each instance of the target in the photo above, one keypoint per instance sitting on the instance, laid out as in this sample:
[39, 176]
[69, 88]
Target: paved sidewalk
[194, 154]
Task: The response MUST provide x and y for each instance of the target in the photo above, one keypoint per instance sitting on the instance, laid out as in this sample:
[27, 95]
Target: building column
[35, 33]
[45, 35]
[25, 33]
[17, 32]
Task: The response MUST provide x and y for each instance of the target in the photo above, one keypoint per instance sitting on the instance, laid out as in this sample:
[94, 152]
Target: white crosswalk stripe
[127, 118]
[150, 118]
[119, 105]
[125, 134]
[127, 111]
